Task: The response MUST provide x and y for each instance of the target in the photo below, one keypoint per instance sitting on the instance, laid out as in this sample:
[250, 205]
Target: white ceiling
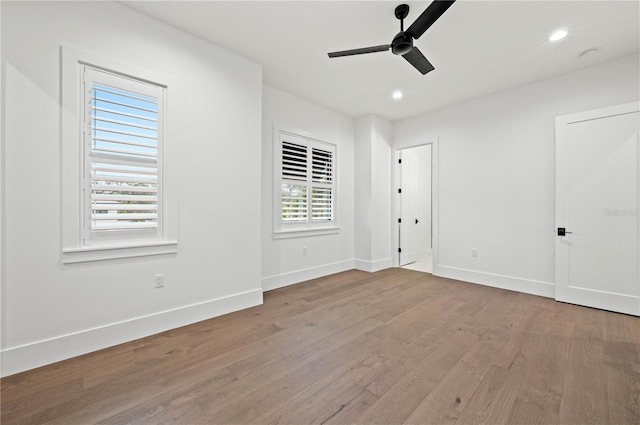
[477, 47]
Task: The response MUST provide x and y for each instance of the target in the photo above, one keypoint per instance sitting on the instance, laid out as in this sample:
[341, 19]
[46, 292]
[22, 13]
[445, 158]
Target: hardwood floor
[397, 346]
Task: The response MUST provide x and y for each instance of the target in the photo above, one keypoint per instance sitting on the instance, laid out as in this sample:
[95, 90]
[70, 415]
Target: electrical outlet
[304, 250]
[474, 252]
[159, 281]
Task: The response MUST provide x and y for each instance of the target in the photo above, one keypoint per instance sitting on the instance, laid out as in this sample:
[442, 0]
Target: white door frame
[434, 202]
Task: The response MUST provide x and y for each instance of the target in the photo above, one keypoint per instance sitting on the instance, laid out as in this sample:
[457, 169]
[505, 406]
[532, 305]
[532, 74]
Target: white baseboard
[534, 287]
[604, 300]
[286, 279]
[373, 266]
[40, 353]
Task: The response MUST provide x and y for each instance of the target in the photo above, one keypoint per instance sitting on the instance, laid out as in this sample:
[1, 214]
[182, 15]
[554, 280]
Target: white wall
[373, 167]
[382, 167]
[2, 248]
[496, 173]
[363, 199]
[283, 261]
[52, 311]
[424, 199]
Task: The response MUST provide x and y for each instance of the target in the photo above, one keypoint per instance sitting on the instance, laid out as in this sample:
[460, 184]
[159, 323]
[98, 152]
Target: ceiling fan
[402, 43]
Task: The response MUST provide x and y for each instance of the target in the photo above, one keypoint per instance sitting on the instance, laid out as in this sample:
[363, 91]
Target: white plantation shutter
[123, 119]
[294, 161]
[321, 204]
[307, 182]
[294, 196]
[322, 178]
[121, 198]
[322, 166]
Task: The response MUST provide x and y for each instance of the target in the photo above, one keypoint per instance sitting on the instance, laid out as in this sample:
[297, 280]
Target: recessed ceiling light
[397, 95]
[558, 35]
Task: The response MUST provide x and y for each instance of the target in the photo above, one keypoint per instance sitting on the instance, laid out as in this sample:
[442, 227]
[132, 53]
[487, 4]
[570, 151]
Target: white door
[415, 204]
[408, 209]
[597, 194]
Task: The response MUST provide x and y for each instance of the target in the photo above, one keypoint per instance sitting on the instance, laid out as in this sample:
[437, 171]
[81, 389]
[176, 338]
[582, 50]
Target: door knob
[562, 231]
[417, 221]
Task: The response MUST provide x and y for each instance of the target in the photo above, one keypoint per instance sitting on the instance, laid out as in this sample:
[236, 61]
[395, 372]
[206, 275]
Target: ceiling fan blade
[428, 17]
[417, 59]
[373, 49]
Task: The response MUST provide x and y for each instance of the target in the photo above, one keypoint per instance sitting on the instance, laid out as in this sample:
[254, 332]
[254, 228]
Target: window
[306, 185]
[122, 134]
[115, 186]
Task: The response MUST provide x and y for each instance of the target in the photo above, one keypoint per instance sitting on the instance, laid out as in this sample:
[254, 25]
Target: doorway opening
[415, 199]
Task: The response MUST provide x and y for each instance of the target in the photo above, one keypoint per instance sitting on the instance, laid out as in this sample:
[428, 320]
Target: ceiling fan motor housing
[402, 43]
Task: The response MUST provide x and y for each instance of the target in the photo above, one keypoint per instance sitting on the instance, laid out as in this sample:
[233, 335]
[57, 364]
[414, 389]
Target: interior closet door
[597, 201]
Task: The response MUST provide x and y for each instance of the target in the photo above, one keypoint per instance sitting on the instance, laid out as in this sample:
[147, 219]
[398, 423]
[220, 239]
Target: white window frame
[309, 227]
[79, 243]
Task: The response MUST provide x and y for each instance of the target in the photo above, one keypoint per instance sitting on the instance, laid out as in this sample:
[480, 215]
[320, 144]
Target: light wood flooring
[397, 346]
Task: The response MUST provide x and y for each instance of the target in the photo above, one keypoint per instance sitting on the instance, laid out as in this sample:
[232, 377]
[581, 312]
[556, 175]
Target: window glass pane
[294, 203]
[123, 123]
[321, 204]
[123, 158]
[123, 197]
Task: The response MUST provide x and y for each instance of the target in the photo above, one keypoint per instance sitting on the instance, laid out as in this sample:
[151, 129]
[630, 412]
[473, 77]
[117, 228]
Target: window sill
[299, 233]
[113, 252]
